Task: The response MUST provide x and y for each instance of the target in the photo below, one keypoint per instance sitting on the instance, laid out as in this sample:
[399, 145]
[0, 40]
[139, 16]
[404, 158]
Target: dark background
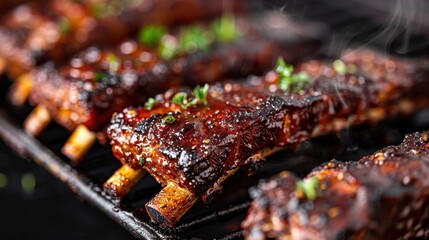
[51, 211]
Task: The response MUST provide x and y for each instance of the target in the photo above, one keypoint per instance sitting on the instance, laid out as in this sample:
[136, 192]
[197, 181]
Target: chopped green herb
[288, 80]
[300, 79]
[201, 93]
[150, 103]
[351, 68]
[194, 38]
[168, 48]
[224, 29]
[101, 76]
[104, 9]
[285, 71]
[113, 62]
[169, 119]
[64, 26]
[181, 98]
[142, 160]
[151, 35]
[97, 10]
[308, 187]
[3, 180]
[339, 66]
[28, 183]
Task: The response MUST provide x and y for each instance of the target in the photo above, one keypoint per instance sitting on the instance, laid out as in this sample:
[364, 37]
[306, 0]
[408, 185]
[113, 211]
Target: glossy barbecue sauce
[381, 196]
[88, 91]
[207, 143]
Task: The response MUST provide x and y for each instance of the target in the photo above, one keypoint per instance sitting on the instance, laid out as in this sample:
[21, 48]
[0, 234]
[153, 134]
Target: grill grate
[222, 220]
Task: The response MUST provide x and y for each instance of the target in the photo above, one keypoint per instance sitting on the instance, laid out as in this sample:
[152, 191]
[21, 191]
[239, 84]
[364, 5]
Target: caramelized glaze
[74, 96]
[382, 196]
[206, 143]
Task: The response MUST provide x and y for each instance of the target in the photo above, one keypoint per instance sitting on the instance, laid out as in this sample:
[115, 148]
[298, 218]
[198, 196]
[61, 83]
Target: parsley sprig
[224, 29]
[142, 160]
[288, 80]
[191, 38]
[169, 119]
[101, 76]
[201, 93]
[151, 35]
[200, 96]
[342, 68]
[168, 47]
[308, 187]
[150, 103]
[181, 98]
[113, 61]
[103, 10]
[109, 8]
[65, 27]
[194, 38]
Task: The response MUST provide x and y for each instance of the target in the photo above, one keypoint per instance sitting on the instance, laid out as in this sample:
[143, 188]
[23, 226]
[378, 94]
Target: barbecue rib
[87, 91]
[55, 30]
[193, 151]
[382, 196]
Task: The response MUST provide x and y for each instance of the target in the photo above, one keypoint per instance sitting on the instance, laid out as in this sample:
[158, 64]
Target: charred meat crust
[382, 196]
[32, 33]
[73, 96]
[206, 143]
[56, 30]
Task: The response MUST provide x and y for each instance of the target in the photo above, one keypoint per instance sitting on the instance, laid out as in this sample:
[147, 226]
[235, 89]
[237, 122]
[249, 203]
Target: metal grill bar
[213, 217]
[28, 146]
[231, 236]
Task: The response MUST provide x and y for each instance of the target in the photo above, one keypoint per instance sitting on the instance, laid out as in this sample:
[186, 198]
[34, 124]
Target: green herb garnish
[104, 9]
[142, 160]
[300, 79]
[64, 27]
[113, 62]
[101, 76]
[289, 81]
[151, 35]
[308, 187]
[28, 183]
[285, 71]
[191, 38]
[150, 103]
[168, 48]
[169, 119]
[194, 38]
[341, 68]
[224, 29]
[201, 93]
[97, 10]
[3, 180]
[181, 98]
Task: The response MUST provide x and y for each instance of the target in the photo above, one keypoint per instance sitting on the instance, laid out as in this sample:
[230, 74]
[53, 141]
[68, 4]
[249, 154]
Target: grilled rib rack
[222, 220]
